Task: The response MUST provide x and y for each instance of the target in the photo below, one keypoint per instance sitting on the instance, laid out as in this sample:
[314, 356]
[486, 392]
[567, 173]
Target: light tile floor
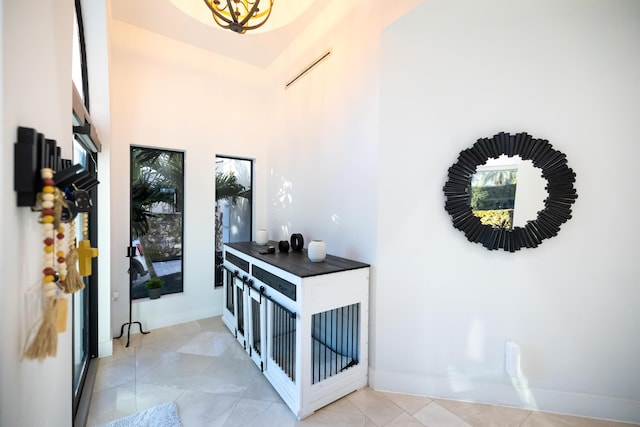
[201, 367]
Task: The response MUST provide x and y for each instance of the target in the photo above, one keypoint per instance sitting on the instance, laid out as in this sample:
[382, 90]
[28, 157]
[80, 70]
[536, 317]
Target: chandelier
[240, 15]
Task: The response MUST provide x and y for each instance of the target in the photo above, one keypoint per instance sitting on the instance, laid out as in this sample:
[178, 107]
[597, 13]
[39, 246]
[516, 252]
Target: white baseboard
[105, 348]
[171, 319]
[500, 392]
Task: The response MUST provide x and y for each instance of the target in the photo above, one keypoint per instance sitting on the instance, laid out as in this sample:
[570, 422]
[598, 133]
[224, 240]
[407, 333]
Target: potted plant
[154, 287]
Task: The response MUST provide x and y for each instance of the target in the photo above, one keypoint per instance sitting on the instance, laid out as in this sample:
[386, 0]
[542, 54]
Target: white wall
[169, 95]
[36, 92]
[323, 142]
[455, 71]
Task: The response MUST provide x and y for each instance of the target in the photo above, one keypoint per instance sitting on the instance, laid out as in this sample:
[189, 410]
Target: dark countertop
[296, 263]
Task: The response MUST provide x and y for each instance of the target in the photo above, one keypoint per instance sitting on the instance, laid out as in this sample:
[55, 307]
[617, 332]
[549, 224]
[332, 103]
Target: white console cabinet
[304, 324]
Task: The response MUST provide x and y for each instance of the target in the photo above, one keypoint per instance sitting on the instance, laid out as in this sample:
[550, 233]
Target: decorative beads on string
[55, 266]
[85, 226]
[60, 255]
[46, 219]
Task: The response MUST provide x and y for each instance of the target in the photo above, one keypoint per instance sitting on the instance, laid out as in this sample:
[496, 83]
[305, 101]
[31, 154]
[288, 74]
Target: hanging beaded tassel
[74, 282]
[45, 342]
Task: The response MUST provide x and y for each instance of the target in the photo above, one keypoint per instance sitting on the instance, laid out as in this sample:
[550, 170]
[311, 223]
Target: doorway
[85, 301]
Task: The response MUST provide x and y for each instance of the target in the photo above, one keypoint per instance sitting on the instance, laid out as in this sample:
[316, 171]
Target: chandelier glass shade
[240, 15]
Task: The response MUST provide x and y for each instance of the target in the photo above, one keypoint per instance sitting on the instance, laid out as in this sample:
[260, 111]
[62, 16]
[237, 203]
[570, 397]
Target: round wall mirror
[510, 191]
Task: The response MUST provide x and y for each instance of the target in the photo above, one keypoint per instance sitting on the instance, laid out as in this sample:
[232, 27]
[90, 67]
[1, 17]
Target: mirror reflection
[506, 192]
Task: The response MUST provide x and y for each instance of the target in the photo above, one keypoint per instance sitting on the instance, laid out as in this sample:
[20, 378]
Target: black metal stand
[129, 323]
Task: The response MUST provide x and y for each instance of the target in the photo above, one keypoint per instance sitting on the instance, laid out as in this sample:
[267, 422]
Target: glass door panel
[81, 322]
[233, 210]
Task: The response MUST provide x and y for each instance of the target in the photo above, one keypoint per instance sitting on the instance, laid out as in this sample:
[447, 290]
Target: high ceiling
[289, 18]
[170, 18]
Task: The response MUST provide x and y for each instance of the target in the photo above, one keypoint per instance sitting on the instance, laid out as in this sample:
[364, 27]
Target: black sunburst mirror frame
[557, 210]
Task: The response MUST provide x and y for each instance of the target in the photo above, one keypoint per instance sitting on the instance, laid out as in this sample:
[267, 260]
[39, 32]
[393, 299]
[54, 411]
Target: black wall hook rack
[33, 152]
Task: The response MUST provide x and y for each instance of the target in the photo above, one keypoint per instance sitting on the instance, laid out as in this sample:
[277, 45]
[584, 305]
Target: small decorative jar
[317, 251]
[262, 236]
[283, 245]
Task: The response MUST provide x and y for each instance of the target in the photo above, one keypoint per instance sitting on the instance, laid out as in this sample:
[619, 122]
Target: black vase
[283, 245]
[297, 242]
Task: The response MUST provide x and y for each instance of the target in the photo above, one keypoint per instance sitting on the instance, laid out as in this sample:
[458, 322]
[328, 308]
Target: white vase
[262, 236]
[317, 251]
